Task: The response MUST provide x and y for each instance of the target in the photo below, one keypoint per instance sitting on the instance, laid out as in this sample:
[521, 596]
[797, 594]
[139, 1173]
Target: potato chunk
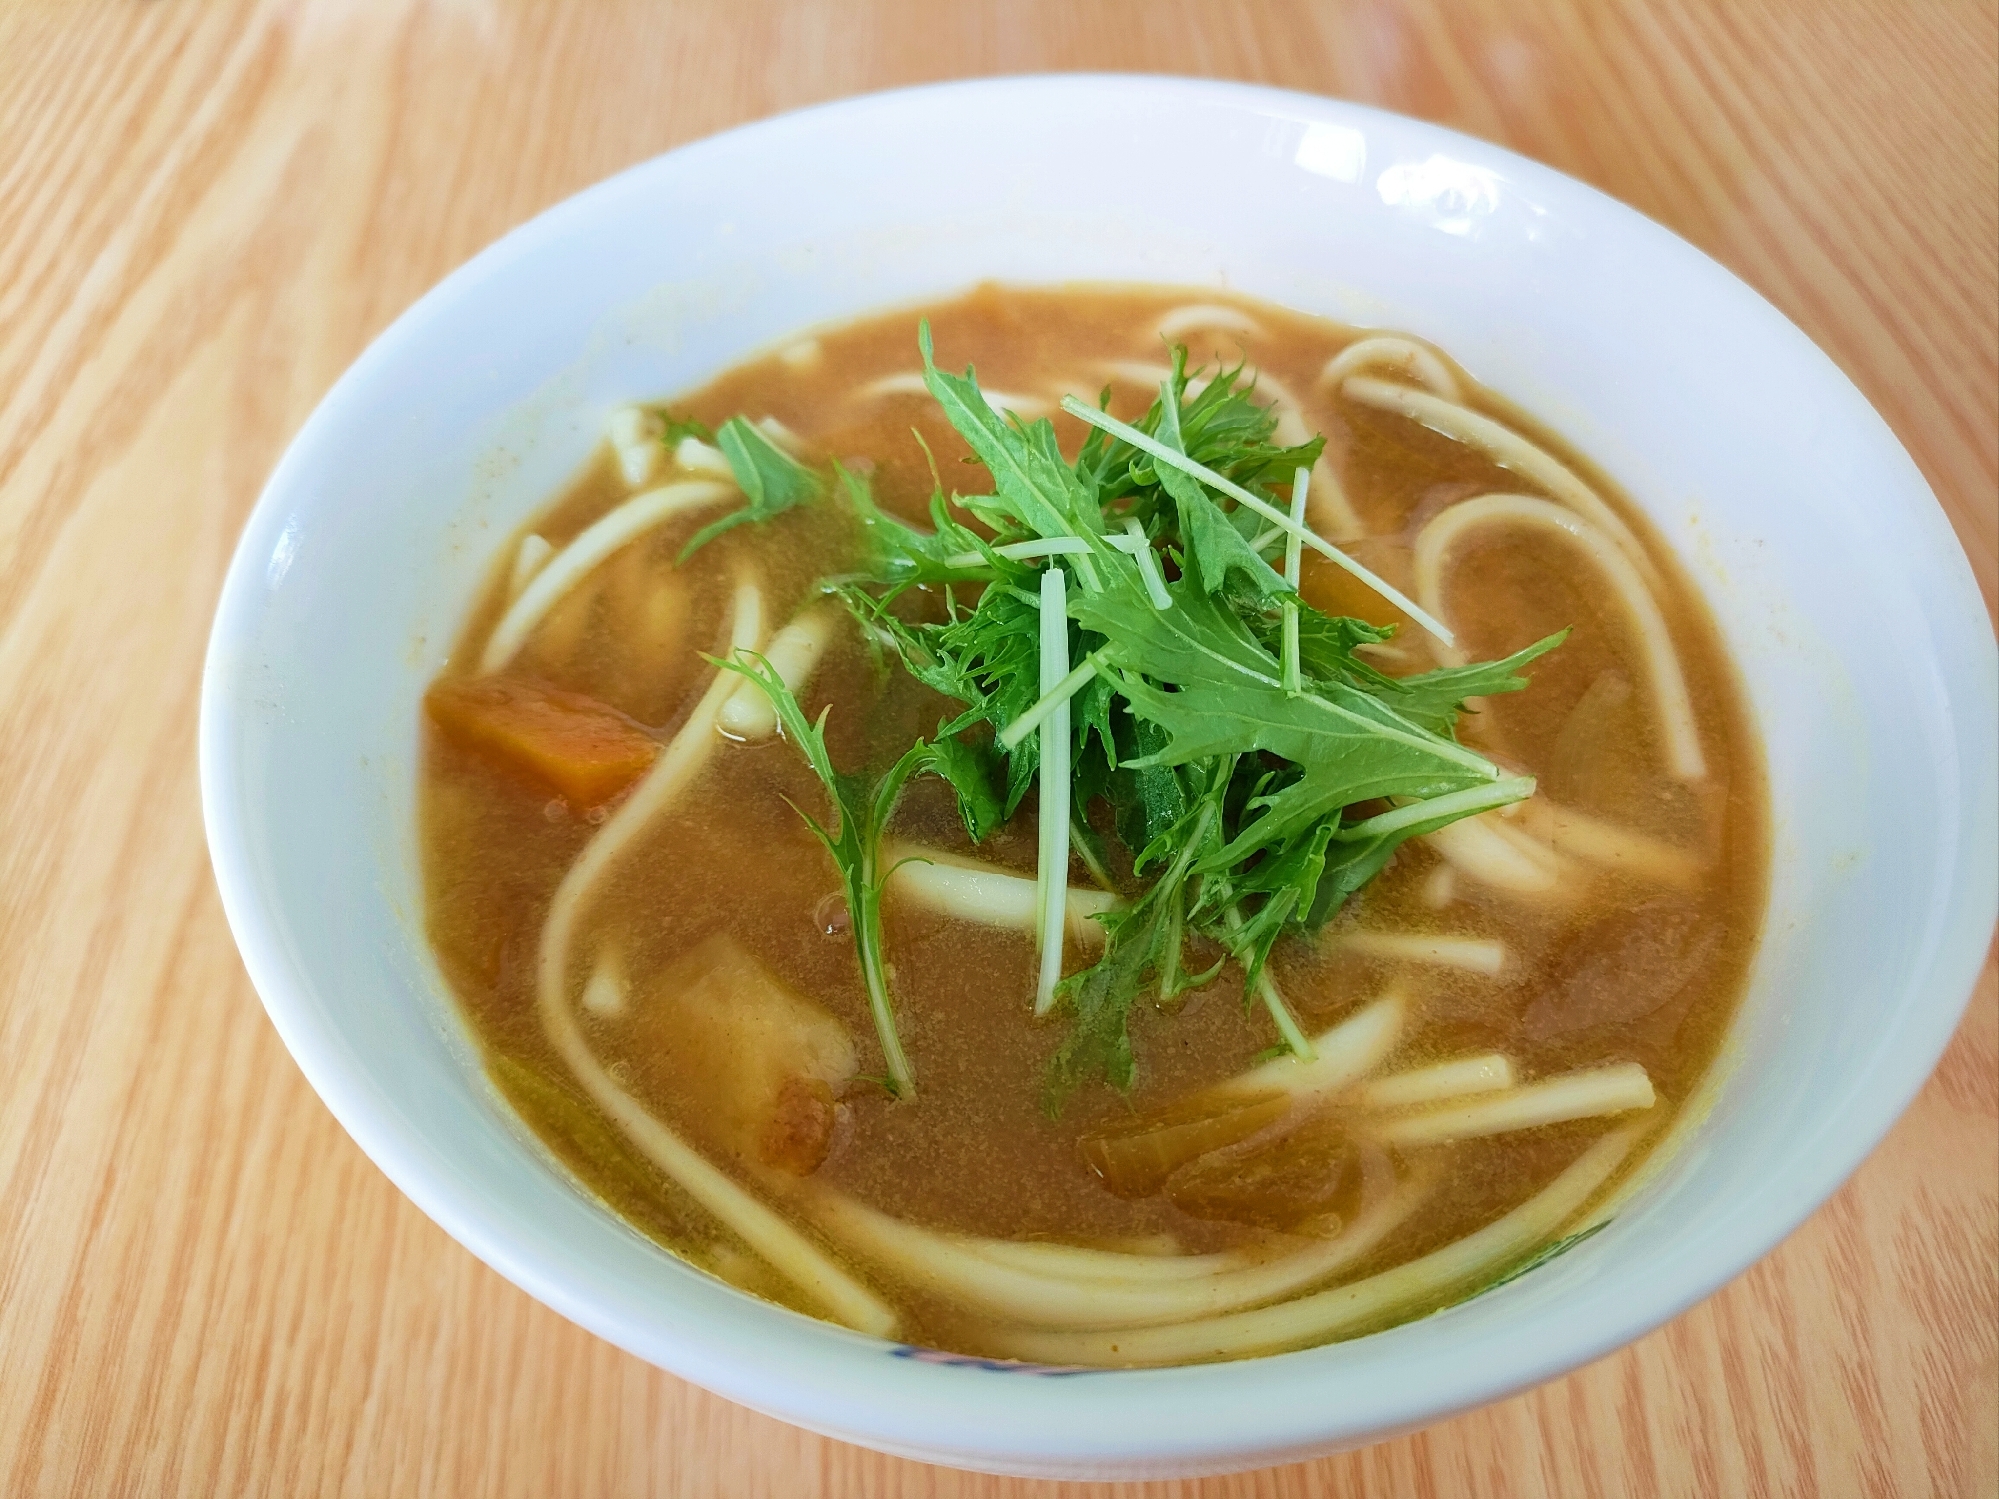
[753, 1067]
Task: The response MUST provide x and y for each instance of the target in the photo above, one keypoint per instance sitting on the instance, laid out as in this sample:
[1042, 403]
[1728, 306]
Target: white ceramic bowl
[1846, 600]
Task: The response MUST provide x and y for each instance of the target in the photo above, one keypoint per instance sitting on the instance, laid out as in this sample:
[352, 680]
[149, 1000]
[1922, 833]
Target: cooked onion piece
[788, 1251]
[793, 653]
[1622, 849]
[597, 541]
[985, 893]
[1506, 448]
[1576, 1095]
[1133, 1160]
[1671, 701]
[1452, 1079]
[1473, 954]
[1299, 1181]
[1403, 355]
[1327, 1314]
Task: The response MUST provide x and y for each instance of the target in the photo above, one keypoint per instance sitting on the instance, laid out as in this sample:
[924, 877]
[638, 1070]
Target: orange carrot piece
[586, 750]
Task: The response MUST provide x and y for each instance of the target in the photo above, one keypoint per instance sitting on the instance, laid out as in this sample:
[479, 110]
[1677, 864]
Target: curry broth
[1628, 972]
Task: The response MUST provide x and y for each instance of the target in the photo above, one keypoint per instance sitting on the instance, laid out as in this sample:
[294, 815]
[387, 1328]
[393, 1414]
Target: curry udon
[1001, 883]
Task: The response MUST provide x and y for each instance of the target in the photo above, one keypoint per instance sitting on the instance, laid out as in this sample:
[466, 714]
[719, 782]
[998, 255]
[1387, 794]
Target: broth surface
[1612, 967]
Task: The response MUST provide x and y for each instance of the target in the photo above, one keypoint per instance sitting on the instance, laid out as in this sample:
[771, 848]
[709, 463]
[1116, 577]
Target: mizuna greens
[1121, 641]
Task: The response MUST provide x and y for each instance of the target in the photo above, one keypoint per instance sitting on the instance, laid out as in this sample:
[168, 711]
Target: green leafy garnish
[674, 428]
[861, 807]
[1255, 809]
[771, 480]
[1256, 768]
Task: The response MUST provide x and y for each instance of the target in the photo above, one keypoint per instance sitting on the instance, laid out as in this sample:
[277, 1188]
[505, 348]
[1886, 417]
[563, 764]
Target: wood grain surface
[206, 210]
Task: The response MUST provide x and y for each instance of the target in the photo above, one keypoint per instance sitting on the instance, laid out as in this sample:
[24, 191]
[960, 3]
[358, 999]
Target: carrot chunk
[586, 750]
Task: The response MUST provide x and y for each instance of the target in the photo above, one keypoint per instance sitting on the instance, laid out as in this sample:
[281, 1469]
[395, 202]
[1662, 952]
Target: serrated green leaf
[1241, 801]
[970, 770]
[771, 480]
[1034, 483]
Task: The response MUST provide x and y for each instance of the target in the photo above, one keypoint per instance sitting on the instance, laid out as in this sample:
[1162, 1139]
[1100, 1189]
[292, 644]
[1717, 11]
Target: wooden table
[206, 210]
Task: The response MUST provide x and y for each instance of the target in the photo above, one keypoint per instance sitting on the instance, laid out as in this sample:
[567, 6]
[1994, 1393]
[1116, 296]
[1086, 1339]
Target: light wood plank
[207, 210]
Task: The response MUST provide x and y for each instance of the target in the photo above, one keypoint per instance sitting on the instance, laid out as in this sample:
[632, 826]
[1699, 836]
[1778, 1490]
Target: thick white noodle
[1326, 1314]
[635, 434]
[1342, 1055]
[910, 383]
[1473, 954]
[529, 558]
[698, 457]
[1403, 355]
[1453, 1079]
[1506, 448]
[1332, 514]
[985, 893]
[604, 994]
[1213, 317]
[1486, 849]
[782, 435]
[599, 540]
[1440, 886]
[806, 354]
[1268, 390]
[1144, 372]
[794, 653]
[1082, 1262]
[1670, 699]
[1574, 1095]
[947, 1263]
[1382, 649]
[788, 1251]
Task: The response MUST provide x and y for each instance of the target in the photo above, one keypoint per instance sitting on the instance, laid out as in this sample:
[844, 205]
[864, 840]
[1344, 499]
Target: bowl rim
[1206, 1433]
